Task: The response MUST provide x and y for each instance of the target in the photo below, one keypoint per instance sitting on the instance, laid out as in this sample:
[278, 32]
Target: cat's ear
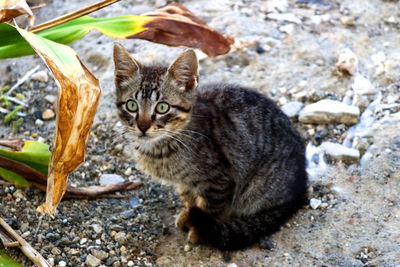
[127, 69]
[183, 71]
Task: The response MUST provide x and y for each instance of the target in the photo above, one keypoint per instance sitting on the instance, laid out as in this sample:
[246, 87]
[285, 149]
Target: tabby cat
[234, 158]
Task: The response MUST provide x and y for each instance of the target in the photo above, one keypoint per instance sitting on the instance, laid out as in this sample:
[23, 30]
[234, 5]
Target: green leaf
[17, 179]
[12, 115]
[13, 45]
[34, 154]
[6, 261]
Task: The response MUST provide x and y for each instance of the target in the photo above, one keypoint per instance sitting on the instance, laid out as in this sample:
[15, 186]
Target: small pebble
[128, 172]
[92, 261]
[324, 205]
[55, 251]
[38, 122]
[121, 238]
[40, 76]
[107, 179]
[286, 254]
[347, 20]
[347, 62]
[34, 135]
[62, 264]
[315, 203]
[187, 248]
[97, 228]
[50, 98]
[83, 241]
[260, 49]
[48, 114]
[266, 243]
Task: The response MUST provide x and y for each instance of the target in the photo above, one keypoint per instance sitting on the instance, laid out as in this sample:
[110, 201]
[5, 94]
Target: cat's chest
[169, 169]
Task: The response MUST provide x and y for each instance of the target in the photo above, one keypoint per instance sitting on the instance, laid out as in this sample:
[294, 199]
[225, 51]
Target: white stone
[40, 76]
[362, 85]
[128, 172]
[340, 152]
[288, 29]
[83, 241]
[329, 111]
[315, 203]
[50, 98]
[107, 179]
[292, 108]
[38, 122]
[92, 261]
[62, 264]
[347, 61]
[97, 228]
[289, 17]
[366, 158]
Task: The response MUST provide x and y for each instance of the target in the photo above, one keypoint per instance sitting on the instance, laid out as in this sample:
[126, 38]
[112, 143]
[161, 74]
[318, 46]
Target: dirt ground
[291, 58]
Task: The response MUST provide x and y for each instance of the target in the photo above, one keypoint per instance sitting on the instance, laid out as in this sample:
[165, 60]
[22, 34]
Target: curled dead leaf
[175, 25]
[10, 9]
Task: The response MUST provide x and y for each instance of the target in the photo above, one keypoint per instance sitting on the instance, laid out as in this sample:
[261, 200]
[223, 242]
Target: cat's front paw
[193, 236]
[181, 221]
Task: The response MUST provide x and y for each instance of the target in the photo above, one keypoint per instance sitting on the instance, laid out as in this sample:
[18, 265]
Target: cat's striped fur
[237, 162]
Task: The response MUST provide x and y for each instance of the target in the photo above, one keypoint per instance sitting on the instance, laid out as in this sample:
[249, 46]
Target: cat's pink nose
[143, 124]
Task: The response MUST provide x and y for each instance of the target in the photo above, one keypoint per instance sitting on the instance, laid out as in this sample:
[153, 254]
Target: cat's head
[154, 101]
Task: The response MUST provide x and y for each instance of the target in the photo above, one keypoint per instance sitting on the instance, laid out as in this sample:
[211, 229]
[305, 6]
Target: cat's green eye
[162, 107]
[132, 106]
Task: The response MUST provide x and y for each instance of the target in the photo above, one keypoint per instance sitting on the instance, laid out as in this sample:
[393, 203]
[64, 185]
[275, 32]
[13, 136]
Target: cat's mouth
[144, 136]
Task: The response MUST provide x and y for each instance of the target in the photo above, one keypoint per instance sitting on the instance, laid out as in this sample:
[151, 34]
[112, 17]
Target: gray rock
[329, 111]
[121, 238]
[92, 261]
[362, 85]
[50, 98]
[340, 152]
[100, 254]
[107, 179]
[97, 228]
[292, 109]
[347, 62]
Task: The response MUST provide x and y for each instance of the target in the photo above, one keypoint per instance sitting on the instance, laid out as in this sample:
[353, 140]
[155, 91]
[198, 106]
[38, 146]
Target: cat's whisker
[191, 138]
[179, 141]
[194, 132]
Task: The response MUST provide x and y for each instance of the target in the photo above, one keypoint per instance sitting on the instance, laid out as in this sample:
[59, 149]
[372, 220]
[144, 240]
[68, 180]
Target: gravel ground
[353, 217]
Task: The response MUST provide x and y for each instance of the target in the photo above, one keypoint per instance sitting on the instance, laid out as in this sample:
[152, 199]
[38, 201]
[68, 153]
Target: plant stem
[72, 15]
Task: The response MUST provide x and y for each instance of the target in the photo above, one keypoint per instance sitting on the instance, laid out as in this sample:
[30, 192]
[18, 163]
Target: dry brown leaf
[175, 25]
[78, 96]
[10, 9]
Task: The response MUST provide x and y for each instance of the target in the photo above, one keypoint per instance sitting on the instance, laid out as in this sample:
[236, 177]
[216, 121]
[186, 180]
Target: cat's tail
[240, 232]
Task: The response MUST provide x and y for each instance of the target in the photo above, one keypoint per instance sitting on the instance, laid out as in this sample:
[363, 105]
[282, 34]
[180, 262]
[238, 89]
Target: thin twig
[26, 248]
[72, 15]
[22, 80]
[39, 180]
[39, 224]
[17, 101]
[6, 111]
[15, 145]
